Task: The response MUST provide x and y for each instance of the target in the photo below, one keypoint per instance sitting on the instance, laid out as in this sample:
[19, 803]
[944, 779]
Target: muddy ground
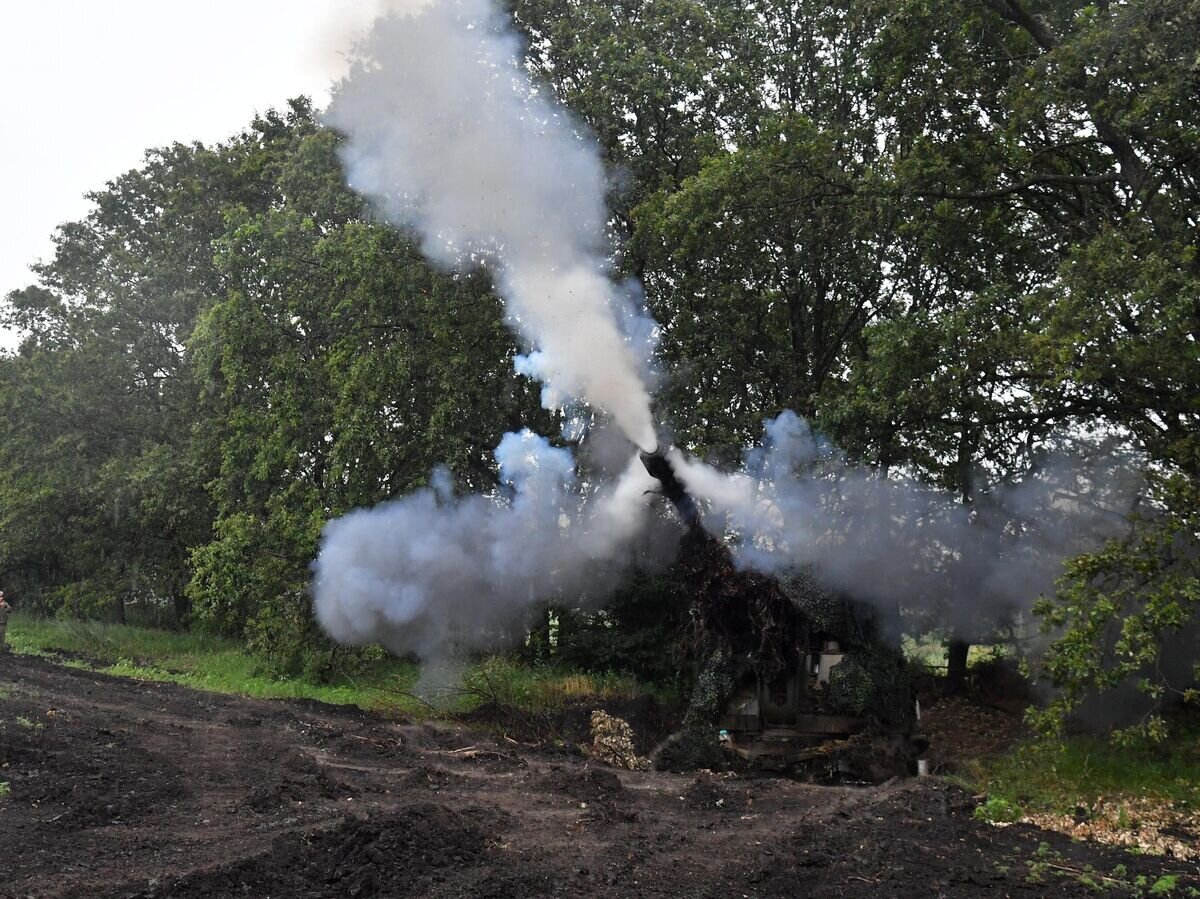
[120, 788]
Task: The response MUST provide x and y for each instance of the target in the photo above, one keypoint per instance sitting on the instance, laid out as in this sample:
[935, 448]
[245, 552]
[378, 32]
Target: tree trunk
[956, 665]
[182, 609]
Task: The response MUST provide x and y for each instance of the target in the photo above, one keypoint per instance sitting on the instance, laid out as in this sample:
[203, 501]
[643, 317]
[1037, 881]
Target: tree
[341, 369]
[1104, 156]
[762, 271]
[100, 399]
[1128, 615]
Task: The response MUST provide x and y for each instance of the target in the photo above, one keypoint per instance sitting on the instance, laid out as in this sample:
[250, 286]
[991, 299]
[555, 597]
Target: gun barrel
[659, 467]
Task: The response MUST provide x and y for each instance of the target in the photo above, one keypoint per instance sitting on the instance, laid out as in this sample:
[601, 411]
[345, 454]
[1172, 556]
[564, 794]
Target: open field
[125, 788]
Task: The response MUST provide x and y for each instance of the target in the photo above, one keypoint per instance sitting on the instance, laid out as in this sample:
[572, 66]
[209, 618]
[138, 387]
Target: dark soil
[120, 788]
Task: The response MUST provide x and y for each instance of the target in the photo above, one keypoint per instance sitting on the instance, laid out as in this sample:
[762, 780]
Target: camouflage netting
[612, 743]
[750, 624]
[850, 688]
[712, 689]
[873, 680]
[823, 610]
[891, 698]
[697, 745]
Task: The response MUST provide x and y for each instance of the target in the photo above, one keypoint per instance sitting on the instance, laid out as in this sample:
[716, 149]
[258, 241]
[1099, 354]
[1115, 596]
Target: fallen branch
[471, 752]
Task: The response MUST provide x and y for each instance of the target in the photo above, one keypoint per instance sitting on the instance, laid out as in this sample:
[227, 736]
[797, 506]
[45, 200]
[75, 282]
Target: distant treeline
[947, 233]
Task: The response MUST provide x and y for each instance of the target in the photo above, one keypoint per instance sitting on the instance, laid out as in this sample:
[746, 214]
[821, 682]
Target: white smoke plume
[432, 573]
[896, 541]
[446, 133]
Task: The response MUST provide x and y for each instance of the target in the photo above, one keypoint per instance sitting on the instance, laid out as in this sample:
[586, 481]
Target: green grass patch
[1054, 777]
[997, 810]
[207, 663]
[384, 684]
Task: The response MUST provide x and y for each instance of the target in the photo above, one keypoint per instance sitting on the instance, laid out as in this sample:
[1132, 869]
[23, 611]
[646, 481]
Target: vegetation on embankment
[1143, 797]
[1078, 772]
[379, 681]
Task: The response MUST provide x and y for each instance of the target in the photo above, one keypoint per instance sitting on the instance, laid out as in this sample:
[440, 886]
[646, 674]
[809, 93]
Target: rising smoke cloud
[447, 134]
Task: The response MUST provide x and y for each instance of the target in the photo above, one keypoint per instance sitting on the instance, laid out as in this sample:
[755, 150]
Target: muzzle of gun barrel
[659, 467]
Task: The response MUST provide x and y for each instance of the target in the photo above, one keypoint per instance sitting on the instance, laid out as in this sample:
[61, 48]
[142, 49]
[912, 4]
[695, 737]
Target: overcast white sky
[86, 86]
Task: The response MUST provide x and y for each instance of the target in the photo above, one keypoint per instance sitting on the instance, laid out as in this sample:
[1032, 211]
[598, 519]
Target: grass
[543, 689]
[221, 665]
[201, 661]
[1060, 777]
[1044, 776]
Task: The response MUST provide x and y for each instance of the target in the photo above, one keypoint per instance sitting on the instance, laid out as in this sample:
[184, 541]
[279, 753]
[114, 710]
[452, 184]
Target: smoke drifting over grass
[446, 133]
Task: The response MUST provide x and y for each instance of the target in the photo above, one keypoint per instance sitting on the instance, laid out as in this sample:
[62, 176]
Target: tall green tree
[340, 369]
[100, 401]
[1076, 124]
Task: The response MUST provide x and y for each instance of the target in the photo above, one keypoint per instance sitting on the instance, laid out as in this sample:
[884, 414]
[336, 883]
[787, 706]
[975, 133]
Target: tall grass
[541, 689]
[385, 684]
[1057, 777]
[207, 663]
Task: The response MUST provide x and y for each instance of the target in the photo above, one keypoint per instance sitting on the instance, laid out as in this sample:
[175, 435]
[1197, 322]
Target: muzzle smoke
[895, 541]
[432, 573]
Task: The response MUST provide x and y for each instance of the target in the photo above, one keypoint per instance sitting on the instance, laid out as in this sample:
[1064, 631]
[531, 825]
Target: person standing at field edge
[5, 608]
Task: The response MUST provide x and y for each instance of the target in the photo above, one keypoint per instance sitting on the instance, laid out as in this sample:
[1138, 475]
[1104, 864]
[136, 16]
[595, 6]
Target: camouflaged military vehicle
[796, 676]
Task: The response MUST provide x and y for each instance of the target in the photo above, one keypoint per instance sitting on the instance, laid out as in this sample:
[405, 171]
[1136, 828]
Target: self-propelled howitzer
[809, 678]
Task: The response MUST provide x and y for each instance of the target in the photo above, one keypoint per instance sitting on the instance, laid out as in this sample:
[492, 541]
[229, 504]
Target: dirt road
[120, 788]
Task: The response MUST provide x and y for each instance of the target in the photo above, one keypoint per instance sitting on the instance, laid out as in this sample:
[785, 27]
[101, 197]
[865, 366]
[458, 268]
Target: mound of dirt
[708, 793]
[362, 858]
[959, 729]
[927, 852]
[590, 784]
[407, 851]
